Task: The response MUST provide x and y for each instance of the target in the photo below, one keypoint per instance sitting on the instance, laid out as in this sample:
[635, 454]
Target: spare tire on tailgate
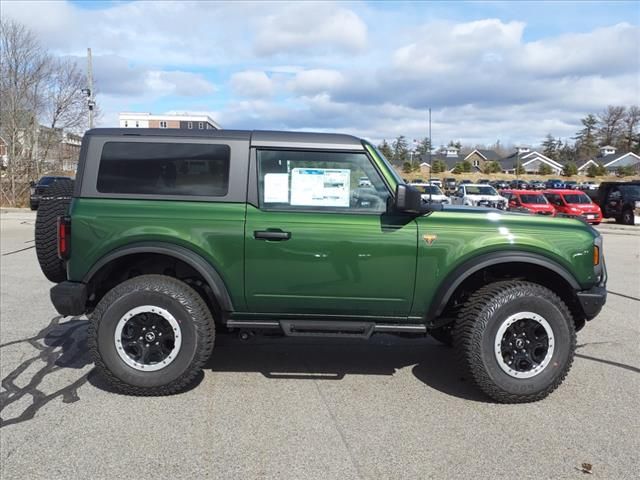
[54, 203]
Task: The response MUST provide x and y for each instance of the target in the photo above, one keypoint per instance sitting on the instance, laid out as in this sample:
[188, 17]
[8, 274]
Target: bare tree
[35, 89]
[631, 122]
[610, 125]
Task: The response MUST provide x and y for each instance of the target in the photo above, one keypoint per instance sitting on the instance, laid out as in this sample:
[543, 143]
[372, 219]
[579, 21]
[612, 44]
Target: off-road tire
[627, 217]
[443, 334]
[475, 334]
[54, 204]
[188, 308]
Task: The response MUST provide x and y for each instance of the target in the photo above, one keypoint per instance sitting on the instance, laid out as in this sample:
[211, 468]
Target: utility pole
[429, 157]
[89, 90]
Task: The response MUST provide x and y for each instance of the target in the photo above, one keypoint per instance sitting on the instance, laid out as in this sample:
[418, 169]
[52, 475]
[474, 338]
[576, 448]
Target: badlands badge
[429, 238]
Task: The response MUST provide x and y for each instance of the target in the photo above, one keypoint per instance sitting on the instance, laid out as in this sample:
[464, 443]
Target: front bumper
[592, 300]
[69, 298]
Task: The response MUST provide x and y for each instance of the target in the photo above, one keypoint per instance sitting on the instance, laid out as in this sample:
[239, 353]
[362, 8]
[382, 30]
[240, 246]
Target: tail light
[64, 237]
[596, 255]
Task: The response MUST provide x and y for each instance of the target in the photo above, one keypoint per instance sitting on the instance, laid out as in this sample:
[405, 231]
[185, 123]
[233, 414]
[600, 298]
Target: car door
[614, 203]
[318, 243]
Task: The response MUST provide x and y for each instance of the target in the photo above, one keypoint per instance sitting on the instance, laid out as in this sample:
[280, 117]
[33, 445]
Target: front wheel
[515, 340]
[151, 335]
[627, 217]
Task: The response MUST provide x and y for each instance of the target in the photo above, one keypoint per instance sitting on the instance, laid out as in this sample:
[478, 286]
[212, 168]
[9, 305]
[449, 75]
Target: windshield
[533, 199]
[480, 190]
[429, 189]
[47, 180]
[577, 198]
[399, 180]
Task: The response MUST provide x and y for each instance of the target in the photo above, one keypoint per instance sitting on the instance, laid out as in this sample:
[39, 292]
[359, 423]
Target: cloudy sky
[489, 70]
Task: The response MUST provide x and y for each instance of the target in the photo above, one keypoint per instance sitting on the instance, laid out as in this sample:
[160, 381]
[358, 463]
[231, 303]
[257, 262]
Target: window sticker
[276, 188]
[320, 187]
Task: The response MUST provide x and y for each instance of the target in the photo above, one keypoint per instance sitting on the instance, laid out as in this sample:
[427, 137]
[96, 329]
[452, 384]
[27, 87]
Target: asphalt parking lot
[290, 408]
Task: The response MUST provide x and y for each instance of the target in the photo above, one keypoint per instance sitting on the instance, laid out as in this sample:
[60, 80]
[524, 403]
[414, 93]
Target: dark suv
[172, 235]
[39, 188]
[620, 200]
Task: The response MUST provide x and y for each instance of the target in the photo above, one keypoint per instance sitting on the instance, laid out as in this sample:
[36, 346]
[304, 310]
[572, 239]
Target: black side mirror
[32, 183]
[408, 199]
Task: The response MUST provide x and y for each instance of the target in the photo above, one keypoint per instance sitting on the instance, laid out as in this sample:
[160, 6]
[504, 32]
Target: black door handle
[277, 235]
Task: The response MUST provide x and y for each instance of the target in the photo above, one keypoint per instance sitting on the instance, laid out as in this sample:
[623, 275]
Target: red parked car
[574, 203]
[528, 201]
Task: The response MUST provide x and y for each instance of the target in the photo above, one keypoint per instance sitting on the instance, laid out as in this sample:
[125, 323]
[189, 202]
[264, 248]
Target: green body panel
[334, 263]
[462, 235]
[215, 231]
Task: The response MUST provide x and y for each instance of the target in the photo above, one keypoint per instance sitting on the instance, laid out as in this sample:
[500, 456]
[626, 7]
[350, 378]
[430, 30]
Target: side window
[460, 192]
[614, 194]
[319, 181]
[164, 169]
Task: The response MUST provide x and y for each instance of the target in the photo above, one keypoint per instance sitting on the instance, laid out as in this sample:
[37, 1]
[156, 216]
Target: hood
[491, 198]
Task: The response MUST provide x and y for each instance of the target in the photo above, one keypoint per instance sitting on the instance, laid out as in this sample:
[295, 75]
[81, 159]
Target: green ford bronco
[168, 235]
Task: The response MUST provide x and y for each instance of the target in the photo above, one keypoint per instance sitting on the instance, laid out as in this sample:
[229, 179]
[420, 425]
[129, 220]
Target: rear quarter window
[187, 169]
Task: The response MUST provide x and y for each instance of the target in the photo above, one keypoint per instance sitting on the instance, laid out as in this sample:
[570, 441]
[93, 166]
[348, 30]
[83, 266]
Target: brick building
[183, 121]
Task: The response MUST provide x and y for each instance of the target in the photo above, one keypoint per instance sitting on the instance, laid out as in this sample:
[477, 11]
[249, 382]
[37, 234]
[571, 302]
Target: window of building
[164, 169]
[476, 163]
[200, 125]
[137, 124]
[189, 125]
[126, 124]
[163, 124]
[320, 181]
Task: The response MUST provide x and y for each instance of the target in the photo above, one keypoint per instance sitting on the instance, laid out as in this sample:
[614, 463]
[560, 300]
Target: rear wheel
[515, 340]
[151, 335]
[54, 204]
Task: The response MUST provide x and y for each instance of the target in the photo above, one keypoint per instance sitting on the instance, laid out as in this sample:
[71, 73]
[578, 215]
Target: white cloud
[305, 27]
[316, 80]
[252, 83]
[604, 51]
[320, 66]
[183, 84]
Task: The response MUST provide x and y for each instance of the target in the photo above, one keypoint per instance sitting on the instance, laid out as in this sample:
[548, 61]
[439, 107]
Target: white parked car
[432, 193]
[364, 182]
[478, 195]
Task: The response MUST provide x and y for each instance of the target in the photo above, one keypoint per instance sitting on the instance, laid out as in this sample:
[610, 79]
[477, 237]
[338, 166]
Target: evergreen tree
[400, 150]
[592, 171]
[466, 166]
[424, 146]
[492, 167]
[570, 169]
[586, 144]
[625, 171]
[545, 169]
[406, 167]
[385, 149]
[438, 166]
[549, 147]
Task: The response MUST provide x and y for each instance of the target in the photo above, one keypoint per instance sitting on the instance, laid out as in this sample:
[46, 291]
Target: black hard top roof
[258, 138]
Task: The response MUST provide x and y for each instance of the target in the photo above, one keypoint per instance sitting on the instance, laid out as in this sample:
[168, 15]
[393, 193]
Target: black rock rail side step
[321, 328]
[327, 328]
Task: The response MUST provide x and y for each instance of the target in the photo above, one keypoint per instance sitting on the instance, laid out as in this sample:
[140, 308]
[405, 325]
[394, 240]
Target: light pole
[89, 90]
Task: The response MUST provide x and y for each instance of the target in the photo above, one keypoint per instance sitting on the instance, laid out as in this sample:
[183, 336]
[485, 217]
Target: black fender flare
[202, 266]
[459, 274]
